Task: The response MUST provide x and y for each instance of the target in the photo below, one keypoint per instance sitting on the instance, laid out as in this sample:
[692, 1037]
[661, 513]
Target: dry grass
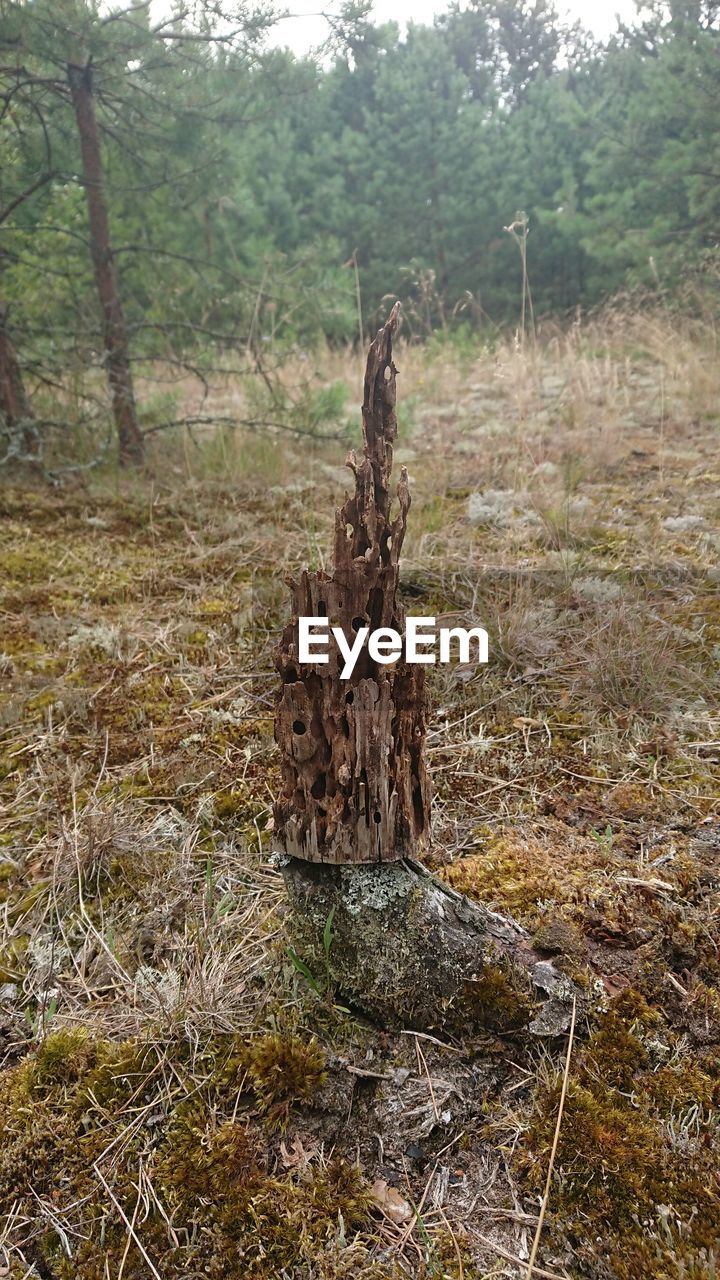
[567, 499]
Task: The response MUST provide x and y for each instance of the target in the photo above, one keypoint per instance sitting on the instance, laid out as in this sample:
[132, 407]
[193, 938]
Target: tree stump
[355, 801]
[355, 783]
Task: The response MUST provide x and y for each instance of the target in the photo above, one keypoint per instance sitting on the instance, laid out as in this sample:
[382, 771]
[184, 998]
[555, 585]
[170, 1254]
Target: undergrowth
[162, 1056]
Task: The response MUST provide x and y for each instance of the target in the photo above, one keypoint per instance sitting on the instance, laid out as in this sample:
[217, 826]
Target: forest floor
[178, 1094]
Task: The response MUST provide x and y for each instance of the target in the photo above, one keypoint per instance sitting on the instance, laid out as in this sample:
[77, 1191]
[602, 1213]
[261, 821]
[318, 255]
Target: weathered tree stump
[355, 800]
[355, 784]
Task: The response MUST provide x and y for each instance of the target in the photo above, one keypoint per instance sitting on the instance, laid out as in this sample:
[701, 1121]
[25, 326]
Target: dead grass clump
[525, 625]
[109, 848]
[629, 661]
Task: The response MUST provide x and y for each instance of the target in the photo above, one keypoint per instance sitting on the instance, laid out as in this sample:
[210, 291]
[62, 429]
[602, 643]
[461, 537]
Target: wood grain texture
[355, 786]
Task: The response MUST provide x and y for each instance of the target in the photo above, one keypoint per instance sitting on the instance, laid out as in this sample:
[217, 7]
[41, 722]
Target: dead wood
[355, 783]
[409, 951]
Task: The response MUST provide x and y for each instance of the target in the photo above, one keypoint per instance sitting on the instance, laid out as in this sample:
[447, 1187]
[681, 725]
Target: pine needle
[556, 1138]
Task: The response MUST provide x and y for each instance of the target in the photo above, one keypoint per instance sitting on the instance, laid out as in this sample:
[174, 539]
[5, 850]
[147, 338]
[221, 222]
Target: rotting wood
[355, 782]
[410, 951]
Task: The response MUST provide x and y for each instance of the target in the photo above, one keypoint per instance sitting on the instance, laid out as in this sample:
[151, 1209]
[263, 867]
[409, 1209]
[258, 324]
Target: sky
[306, 28]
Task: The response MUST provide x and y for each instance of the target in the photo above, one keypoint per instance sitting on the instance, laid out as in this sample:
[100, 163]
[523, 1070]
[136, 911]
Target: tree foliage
[246, 186]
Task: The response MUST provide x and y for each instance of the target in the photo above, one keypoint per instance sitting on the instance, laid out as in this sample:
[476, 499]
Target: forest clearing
[183, 1093]
[359, 640]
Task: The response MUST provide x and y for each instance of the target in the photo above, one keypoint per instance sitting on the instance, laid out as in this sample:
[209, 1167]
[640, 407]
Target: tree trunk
[363, 913]
[130, 440]
[409, 951]
[14, 404]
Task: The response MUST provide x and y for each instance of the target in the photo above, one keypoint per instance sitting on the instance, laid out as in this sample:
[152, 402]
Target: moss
[199, 1160]
[557, 937]
[493, 1002]
[517, 872]
[635, 1137]
[282, 1070]
[615, 1052]
[288, 1222]
[21, 903]
[40, 702]
[32, 562]
[664, 1257]
[682, 1084]
[237, 802]
[631, 800]
[13, 961]
[63, 1058]
[451, 1256]
[74, 1102]
[612, 1161]
[120, 1072]
[35, 1137]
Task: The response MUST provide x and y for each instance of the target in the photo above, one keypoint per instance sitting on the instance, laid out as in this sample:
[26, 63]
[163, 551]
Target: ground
[180, 1093]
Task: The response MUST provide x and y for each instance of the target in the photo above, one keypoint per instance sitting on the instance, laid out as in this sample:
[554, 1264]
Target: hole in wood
[322, 609]
[298, 727]
[350, 697]
[291, 676]
[358, 623]
[418, 808]
[377, 817]
[317, 790]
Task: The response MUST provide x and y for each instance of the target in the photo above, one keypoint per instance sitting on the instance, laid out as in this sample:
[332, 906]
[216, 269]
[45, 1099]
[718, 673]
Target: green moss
[235, 802]
[616, 1052]
[635, 1136]
[63, 1058]
[200, 1160]
[13, 961]
[493, 1002]
[21, 903]
[34, 561]
[672, 1088]
[282, 1070]
[120, 1072]
[614, 1163]
[517, 872]
[77, 1103]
